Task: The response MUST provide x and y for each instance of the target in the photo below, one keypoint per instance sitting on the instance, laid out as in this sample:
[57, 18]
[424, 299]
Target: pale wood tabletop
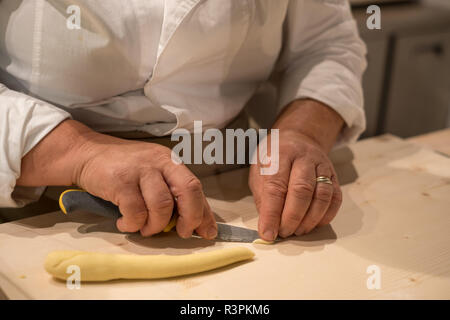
[395, 219]
[438, 140]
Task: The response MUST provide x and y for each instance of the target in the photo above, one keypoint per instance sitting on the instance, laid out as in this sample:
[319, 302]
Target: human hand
[143, 181]
[291, 201]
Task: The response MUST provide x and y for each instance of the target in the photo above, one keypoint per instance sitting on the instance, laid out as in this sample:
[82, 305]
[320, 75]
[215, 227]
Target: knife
[74, 200]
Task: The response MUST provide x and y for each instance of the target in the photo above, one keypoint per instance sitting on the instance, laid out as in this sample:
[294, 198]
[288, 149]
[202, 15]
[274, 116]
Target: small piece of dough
[262, 241]
[104, 267]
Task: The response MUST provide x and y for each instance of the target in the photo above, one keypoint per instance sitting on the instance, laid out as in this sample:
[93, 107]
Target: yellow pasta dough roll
[103, 266]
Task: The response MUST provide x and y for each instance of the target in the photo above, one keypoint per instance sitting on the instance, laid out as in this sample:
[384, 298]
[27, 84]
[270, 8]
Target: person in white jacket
[70, 71]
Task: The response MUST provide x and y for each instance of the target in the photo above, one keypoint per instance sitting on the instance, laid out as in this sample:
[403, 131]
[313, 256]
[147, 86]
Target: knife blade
[74, 200]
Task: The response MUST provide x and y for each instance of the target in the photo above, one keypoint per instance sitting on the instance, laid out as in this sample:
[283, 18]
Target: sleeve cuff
[24, 122]
[334, 86]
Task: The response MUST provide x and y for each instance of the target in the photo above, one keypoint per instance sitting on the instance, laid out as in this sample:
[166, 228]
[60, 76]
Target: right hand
[143, 181]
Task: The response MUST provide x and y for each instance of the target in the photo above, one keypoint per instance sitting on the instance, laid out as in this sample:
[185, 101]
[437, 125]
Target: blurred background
[407, 82]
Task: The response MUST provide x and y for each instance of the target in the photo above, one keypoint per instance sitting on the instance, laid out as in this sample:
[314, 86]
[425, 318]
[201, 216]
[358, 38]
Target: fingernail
[269, 235]
[283, 233]
[212, 232]
[300, 231]
[186, 235]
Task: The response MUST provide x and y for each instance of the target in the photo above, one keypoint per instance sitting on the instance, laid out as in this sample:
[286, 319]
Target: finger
[320, 202]
[335, 204]
[159, 201]
[208, 227]
[299, 196]
[133, 209]
[272, 200]
[255, 183]
[190, 198]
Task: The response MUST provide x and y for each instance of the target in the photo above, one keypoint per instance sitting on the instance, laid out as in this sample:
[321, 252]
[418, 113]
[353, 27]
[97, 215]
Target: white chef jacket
[158, 65]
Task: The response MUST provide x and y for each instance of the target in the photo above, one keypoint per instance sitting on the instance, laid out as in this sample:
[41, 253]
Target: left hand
[291, 201]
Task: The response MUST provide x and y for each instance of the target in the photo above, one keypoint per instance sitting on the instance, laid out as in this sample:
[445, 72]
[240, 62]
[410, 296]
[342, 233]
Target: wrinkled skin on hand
[143, 181]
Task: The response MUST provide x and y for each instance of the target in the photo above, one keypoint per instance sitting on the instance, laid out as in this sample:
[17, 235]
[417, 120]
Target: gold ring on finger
[324, 179]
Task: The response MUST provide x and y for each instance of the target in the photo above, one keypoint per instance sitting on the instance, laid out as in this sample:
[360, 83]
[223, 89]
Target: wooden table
[395, 218]
[438, 141]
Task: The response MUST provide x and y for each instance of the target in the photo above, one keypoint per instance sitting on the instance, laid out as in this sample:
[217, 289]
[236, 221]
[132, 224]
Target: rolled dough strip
[262, 241]
[104, 267]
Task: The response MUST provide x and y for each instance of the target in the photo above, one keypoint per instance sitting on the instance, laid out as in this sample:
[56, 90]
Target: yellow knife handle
[73, 200]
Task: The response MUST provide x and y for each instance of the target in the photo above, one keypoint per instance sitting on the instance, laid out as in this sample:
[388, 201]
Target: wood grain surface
[395, 215]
